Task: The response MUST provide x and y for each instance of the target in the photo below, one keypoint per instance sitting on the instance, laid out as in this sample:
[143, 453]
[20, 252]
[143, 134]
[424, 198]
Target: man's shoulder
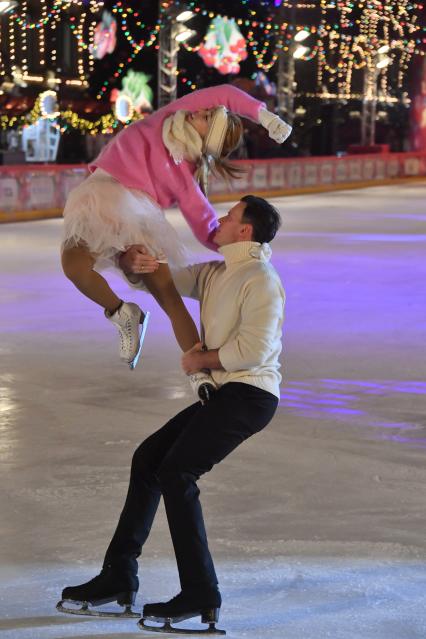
[203, 269]
[211, 265]
[262, 270]
[263, 276]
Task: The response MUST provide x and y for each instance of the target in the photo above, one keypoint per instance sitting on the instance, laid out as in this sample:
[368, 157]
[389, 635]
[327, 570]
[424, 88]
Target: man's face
[201, 120]
[232, 228]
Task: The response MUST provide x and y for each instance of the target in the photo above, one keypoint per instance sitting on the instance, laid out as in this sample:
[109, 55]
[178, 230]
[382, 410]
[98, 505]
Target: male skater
[242, 304]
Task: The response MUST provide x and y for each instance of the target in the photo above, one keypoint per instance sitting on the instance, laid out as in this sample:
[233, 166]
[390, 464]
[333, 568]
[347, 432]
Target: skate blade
[133, 363]
[85, 611]
[168, 628]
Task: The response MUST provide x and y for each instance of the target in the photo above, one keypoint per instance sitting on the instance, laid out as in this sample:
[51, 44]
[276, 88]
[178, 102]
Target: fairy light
[41, 34]
[80, 60]
[346, 39]
[92, 28]
[2, 67]
[123, 13]
[53, 39]
[24, 48]
[12, 45]
[25, 24]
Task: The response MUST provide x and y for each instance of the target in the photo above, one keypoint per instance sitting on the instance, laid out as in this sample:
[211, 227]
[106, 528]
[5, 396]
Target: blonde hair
[222, 167]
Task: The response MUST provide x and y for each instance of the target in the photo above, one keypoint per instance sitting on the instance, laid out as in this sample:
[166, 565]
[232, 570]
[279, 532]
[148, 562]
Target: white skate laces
[132, 332]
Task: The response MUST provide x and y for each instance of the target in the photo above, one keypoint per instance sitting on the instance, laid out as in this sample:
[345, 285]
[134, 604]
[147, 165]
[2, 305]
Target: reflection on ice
[352, 399]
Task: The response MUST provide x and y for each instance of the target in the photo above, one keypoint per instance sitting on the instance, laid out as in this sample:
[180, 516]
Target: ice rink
[317, 525]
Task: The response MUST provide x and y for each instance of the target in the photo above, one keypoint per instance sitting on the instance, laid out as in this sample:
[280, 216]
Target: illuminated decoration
[352, 35]
[345, 39]
[49, 104]
[40, 141]
[105, 38]
[124, 108]
[135, 85]
[123, 13]
[262, 80]
[136, 95]
[224, 46]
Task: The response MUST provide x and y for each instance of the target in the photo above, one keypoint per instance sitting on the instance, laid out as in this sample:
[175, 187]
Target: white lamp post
[378, 61]
[172, 33]
[286, 74]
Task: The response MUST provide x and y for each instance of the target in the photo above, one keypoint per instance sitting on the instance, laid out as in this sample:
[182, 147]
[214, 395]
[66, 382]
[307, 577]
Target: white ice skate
[203, 386]
[131, 323]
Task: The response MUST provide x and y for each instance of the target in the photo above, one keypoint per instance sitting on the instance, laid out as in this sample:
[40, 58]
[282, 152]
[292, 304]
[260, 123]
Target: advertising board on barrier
[37, 191]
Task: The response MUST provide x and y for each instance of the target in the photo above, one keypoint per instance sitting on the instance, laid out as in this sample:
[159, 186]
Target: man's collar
[245, 251]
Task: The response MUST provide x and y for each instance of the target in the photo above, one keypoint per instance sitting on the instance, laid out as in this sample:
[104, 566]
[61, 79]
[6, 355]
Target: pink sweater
[139, 160]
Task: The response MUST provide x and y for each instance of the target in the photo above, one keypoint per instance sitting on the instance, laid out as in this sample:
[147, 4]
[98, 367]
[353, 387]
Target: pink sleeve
[198, 212]
[234, 99]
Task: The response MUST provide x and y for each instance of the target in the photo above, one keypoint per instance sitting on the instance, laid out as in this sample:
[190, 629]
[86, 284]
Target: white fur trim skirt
[108, 217]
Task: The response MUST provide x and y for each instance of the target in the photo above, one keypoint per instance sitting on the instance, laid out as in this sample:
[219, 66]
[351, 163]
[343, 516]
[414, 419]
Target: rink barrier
[30, 192]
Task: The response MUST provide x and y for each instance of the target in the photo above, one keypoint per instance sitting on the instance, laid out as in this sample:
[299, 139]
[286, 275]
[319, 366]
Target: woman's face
[201, 120]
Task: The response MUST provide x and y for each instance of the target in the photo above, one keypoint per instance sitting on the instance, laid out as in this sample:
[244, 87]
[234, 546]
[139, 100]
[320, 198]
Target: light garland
[106, 124]
[23, 22]
[123, 13]
[345, 42]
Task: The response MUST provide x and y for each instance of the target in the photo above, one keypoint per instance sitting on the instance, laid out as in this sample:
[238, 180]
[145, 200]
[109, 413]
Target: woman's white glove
[278, 129]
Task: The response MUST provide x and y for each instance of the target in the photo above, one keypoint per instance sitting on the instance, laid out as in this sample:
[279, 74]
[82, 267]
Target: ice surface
[317, 525]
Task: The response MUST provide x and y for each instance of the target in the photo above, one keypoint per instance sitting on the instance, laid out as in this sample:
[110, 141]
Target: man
[241, 303]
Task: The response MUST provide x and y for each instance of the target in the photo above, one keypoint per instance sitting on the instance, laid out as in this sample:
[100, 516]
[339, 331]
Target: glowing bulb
[184, 16]
[301, 35]
[185, 35]
[300, 52]
[383, 63]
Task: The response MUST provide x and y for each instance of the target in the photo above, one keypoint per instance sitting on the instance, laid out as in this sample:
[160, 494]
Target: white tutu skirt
[108, 218]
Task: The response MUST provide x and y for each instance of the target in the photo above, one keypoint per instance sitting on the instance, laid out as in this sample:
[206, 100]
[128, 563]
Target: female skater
[152, 164]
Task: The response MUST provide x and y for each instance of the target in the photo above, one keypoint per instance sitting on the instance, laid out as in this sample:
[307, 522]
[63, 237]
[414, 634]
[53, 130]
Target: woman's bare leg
[160, 284]
[77, 263]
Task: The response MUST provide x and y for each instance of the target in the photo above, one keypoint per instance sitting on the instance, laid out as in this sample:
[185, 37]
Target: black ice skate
[107, 587]
[184, 606]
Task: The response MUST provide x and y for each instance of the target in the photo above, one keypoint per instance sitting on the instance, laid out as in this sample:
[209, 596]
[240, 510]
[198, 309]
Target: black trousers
[170, 462]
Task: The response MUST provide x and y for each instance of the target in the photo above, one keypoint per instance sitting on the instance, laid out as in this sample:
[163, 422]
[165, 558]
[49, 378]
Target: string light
[41, 34]
[11, 39]
[24, 48]
[346, 40]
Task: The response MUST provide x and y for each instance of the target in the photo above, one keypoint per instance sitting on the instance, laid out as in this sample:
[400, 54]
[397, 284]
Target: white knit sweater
[242, 312]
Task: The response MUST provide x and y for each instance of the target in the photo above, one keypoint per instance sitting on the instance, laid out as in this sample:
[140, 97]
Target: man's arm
[262, 314]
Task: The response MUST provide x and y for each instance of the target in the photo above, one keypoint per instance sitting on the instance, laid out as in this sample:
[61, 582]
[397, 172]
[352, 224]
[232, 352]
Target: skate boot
[131, 323]
[203, 386]
[185, 605]
[107, 587]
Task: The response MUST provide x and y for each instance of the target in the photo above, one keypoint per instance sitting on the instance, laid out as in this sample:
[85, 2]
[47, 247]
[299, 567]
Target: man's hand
[197, 359]
[136, 260]
[192, 360]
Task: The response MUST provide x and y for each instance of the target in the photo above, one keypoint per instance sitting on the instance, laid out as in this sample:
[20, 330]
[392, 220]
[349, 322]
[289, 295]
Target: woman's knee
[77, 264]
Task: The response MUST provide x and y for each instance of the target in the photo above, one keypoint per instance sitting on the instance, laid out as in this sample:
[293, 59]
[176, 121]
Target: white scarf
[181, 139]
